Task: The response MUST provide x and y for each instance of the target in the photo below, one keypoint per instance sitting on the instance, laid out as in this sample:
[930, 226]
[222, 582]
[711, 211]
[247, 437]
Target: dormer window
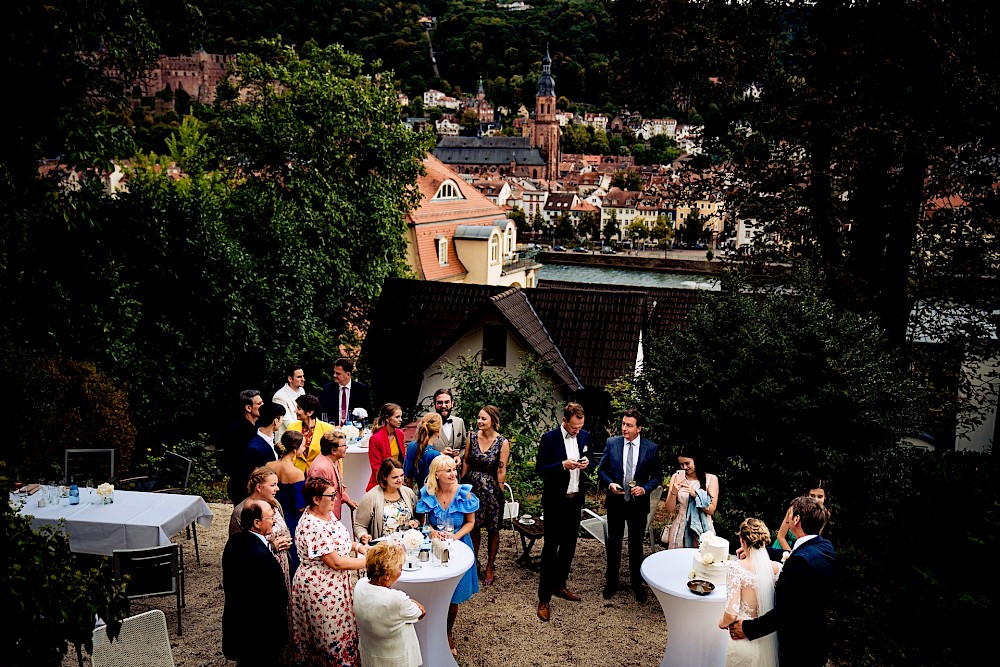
[448, 190]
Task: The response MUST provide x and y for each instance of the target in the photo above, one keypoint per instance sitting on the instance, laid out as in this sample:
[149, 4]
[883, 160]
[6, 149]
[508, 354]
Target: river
[632, 277]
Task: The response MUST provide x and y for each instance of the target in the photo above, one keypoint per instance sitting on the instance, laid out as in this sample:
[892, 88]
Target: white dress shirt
[573, 453]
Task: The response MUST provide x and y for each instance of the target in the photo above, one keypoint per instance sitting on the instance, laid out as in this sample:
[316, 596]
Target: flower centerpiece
[106, 492]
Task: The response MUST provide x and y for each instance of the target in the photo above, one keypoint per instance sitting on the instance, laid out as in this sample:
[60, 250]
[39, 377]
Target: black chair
[173, 476]
[152, 572]
[97, 465]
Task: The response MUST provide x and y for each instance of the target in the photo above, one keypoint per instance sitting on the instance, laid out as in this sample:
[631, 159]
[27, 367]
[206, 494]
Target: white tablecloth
[433, 587]
[693, 634]
[135, 520]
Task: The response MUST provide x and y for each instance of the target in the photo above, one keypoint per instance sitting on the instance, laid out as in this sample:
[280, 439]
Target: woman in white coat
[386, 615]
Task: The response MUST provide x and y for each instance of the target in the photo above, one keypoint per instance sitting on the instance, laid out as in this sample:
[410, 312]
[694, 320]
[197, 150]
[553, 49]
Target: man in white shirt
[561, 462]
[285, 397]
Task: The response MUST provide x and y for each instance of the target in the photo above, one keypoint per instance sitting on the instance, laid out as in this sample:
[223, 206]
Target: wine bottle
[74, 492]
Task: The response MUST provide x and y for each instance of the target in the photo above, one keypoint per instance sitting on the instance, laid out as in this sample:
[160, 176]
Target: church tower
[545, 128]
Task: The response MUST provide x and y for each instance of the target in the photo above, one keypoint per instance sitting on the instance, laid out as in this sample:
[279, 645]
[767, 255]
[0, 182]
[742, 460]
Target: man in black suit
[802, 594]
[562, 460]
[254, 588]
[630, 470]
[340, 397]
[235, 439]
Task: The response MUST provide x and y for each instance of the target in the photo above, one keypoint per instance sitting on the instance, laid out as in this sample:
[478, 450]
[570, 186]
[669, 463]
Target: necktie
[628, 470]
[343, 405]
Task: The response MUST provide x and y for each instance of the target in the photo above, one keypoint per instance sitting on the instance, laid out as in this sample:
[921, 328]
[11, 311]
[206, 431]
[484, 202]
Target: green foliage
[52, 595]
[525, 398]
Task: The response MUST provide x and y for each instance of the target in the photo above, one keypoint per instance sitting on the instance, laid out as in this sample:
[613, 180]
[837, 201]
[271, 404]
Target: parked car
[580, 248]
[558, 248]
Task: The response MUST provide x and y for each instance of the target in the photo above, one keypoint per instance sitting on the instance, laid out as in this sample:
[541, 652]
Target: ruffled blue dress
[464, 503]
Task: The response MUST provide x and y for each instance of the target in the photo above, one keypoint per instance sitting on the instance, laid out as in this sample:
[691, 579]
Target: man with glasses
[252, 580]
[451, 439]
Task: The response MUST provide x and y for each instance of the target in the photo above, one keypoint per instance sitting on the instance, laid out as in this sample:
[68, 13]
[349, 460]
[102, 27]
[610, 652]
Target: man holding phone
[562, 461]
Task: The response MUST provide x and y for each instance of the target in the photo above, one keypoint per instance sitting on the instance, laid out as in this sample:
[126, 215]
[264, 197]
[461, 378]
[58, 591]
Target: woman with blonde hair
[386, 637]
[749, 594]
[420, 452]
[386, 439]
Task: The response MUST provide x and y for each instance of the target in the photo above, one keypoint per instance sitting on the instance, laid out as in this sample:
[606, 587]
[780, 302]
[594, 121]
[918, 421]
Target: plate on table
[700, 586]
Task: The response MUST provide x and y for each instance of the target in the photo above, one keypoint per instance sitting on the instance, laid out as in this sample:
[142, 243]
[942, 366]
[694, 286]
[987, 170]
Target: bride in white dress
[749, 594]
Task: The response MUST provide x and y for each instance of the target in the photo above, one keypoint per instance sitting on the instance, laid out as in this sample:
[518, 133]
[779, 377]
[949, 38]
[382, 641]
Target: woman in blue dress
[444, 497]
[421, 452]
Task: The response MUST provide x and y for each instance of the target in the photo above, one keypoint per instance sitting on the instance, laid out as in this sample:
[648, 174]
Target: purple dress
[482, 475]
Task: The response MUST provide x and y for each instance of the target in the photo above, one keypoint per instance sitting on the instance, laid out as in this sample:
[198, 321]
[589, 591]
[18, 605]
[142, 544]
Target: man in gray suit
[451, 439]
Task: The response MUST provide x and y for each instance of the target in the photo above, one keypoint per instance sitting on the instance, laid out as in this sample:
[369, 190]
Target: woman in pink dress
[324, 629]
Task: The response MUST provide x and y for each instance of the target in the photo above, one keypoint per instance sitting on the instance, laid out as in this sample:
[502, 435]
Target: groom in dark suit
[630, 470]
[562, 462]
[802, 594]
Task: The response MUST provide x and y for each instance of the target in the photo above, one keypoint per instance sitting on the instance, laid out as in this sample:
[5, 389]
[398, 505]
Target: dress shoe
[609, 591]
[544, 612]
[566, 594]
[640, 594]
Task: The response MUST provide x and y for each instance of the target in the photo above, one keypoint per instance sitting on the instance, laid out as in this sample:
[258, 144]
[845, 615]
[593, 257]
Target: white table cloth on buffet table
[134, 520]
[693, 634]
[433, 587]
[357, 470]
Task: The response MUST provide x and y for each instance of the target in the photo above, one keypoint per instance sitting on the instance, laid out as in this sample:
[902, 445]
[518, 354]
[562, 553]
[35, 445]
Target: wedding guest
[802, 595]
[388, 507]
[324, 630]
[386, 439]
[291, 481]
[251, 577]
[333, 448]
[785, 540]
[386, 615]
[444, 498]
[485, 468]
[263, 485]
[306, 411]
[750, 594]
[420, 452]
[694, 494]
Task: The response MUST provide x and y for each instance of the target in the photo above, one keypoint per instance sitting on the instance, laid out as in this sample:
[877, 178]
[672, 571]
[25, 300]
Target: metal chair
[173, 476]
[142, 642]
[152, 572]
[97, 465]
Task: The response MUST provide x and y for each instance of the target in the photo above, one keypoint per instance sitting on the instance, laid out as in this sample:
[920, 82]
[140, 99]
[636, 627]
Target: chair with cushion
[143, 641]
[152, 572]
[173, 476]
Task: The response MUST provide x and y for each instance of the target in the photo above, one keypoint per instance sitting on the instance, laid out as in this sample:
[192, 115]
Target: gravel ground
[498, 627]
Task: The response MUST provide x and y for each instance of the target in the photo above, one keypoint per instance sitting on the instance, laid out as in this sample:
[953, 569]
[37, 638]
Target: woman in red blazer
[386, 440]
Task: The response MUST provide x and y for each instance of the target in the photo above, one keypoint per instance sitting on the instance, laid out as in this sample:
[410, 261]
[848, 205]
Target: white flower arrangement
[360, 413]
[412, 539]
[105, 489]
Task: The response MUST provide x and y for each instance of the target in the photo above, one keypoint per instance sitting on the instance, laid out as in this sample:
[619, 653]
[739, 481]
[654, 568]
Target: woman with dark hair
[486, 470]
[324, 630]
[386, 439]
[694, 494]
[786, 539]
[306, 409]
[388, 507]
[421, 452]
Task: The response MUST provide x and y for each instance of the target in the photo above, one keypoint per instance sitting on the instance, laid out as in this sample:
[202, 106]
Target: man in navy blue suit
[802, 594]
[563, 458]
[630, 470]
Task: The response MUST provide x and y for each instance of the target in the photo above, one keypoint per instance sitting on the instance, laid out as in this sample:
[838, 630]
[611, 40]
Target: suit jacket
[548, 464]
[801, 598]
[329, 400]
[251, 577]
[458, 436]
[379, 448]
[647, 466]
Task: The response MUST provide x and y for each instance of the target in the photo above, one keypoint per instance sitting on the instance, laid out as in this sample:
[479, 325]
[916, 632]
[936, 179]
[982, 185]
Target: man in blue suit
[630, 470]
[563, 458]
[802, 594]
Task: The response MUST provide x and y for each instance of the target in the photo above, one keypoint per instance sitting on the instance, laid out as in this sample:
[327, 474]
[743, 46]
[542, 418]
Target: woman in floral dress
[486, 470]
[324, 630]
